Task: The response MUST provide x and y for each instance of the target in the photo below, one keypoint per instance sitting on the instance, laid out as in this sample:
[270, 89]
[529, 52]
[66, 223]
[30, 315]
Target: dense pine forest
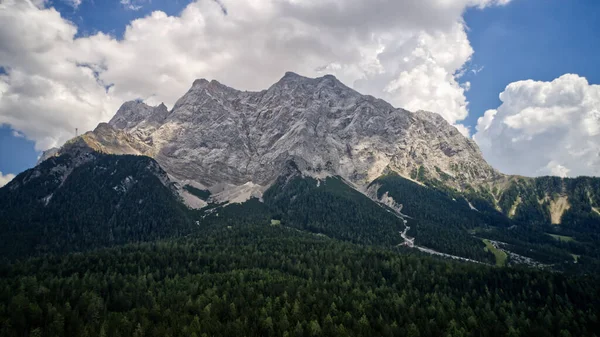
[107, 200]
[331, 207]
[265, 280]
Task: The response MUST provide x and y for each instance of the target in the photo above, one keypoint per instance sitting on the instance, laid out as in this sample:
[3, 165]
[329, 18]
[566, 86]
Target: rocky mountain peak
[218, 136]
[131, 113]
[292, 81]
[291, 77]
[201, 82]
[212, 85]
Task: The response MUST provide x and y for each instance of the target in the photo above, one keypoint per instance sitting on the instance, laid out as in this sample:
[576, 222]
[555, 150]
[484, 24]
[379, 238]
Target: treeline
[276, 281]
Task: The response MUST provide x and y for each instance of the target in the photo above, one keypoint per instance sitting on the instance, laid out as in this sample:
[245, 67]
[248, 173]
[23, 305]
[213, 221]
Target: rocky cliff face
[227, 140]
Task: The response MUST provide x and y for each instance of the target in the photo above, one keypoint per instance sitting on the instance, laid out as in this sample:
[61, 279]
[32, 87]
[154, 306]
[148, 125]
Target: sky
[518, 76]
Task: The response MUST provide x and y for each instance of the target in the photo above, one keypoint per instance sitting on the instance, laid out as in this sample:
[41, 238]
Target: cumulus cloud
[544, 128]
[463, 129]
[5, 179]
[408, 52]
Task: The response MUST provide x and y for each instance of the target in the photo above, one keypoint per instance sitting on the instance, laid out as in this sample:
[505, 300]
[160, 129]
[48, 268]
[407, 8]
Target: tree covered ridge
[104, 200]
[108, 200]
[454, 221]
[535, 196]
[333, 208]
[527, 199]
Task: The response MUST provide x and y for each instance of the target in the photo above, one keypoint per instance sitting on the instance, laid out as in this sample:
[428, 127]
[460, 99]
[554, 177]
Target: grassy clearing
[575, 257]
[500, 255]
[562, 237]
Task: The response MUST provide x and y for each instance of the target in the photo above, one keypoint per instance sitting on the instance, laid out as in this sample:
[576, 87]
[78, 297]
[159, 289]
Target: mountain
[318, 156]
[228, 140]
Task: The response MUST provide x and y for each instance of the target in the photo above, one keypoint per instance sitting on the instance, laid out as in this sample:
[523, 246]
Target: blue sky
[540, 40]
[91, 16]
[530, 39]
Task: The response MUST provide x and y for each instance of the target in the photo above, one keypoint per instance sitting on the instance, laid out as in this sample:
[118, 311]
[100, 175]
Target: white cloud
[477, 69]
[407, 52]
[485, 121]
[465, 130]
[5, 178]
[72, 3]
[131, 4]
[544, 128]
[555, 169]
[466, 85]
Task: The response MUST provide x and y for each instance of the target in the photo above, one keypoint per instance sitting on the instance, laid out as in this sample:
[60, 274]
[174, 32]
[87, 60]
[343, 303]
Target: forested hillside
[332, 208]
[437, 220]
[456, 222]
[75, 203]
[63, 205]
[570, 202]
[263, 280]
[314, 257]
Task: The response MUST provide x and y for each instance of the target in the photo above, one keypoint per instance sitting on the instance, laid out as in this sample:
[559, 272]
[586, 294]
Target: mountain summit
[224, 140]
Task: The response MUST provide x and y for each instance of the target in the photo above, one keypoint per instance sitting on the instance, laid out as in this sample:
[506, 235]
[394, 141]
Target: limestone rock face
[217, 136]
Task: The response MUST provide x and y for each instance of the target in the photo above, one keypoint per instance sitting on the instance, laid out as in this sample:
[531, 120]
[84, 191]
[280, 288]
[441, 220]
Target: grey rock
[218, 136]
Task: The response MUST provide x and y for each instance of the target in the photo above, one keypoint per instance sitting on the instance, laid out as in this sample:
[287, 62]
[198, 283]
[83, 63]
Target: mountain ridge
[217, 135]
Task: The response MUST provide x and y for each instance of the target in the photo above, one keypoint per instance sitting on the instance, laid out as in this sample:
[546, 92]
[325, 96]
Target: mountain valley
[305, 208]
